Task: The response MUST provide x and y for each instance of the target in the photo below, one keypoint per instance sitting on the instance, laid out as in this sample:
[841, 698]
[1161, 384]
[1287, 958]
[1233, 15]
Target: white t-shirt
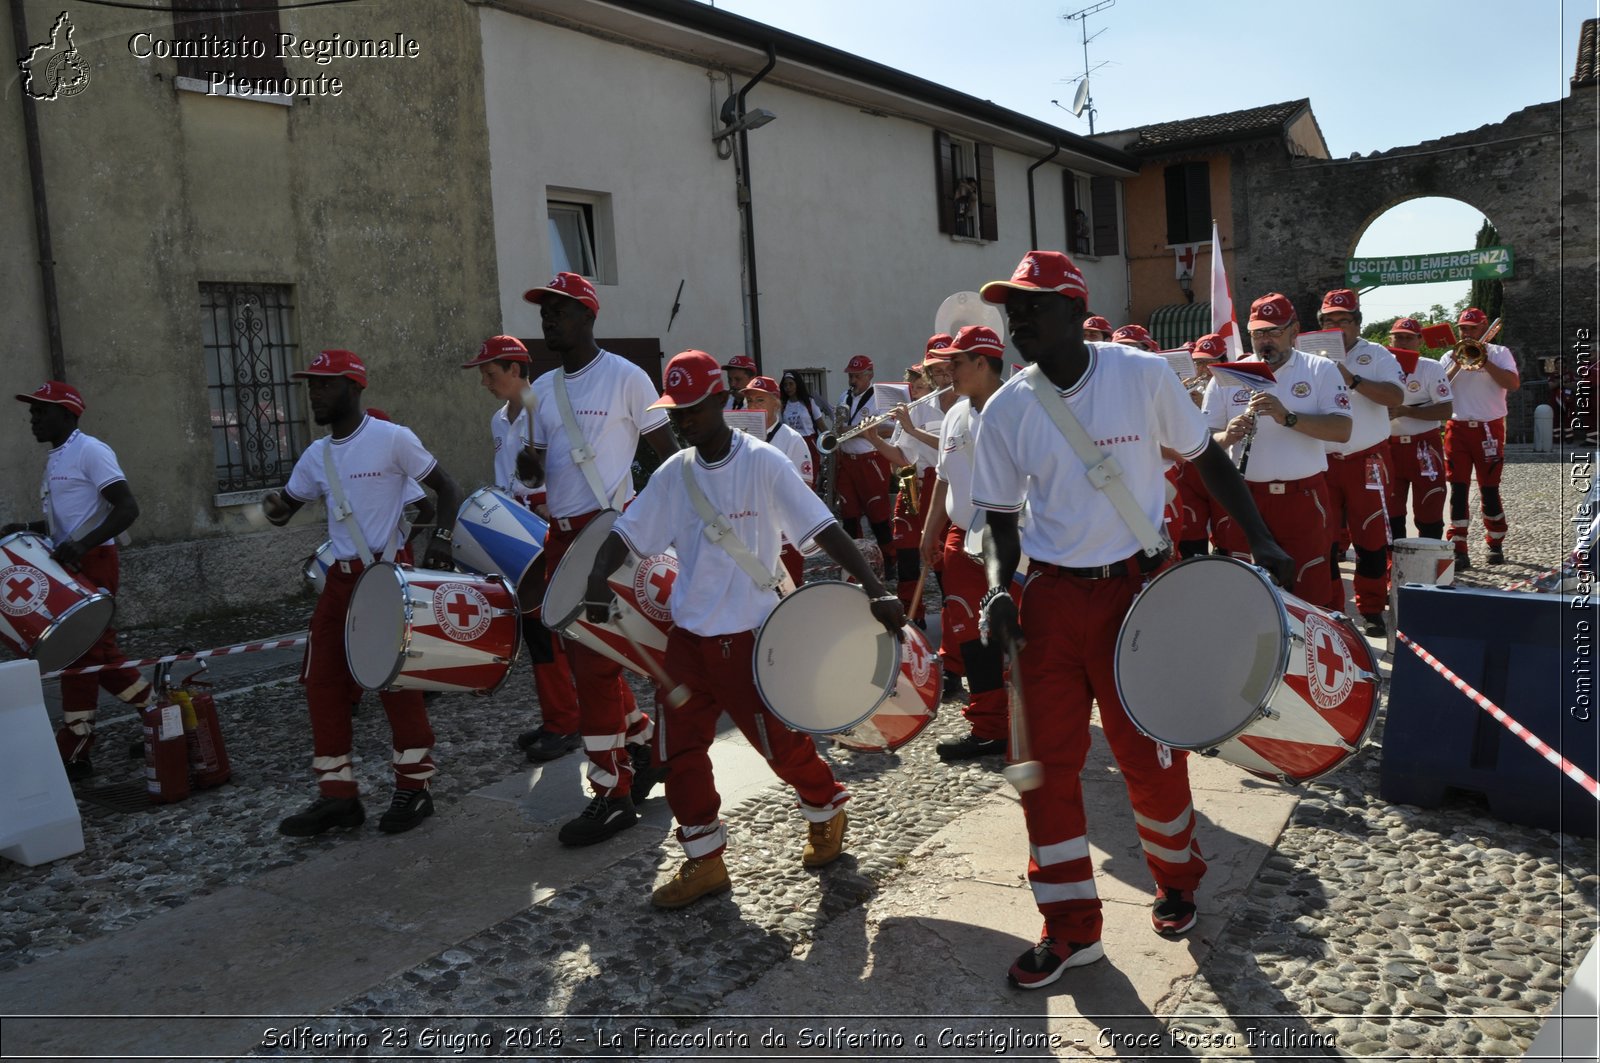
[1424, 387]
[510, 438]
[800, 417]
[74, 475]
[610, 399]
[1131, 404]
[1305, 383]
[757, 489]
[1369, 421]
[376, 464]
[790, 442]
[858, 407]
[1477, 396]
[957, 436]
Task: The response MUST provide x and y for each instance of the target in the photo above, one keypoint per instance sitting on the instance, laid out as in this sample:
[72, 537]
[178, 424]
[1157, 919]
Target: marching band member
[1097, 329]
[912, 451]
[588, 420]
[804, 414]
[87, 504]
[1286, 465]
[865, 483]
[762, 394]
[717, 607]
[1358, 469]
[373, 463]
[1086, 566]
[740, 369]
[503, 365]
[975, 358]
[1475, 437]
[1416, 446]
[1135, 336]
[1197, 512]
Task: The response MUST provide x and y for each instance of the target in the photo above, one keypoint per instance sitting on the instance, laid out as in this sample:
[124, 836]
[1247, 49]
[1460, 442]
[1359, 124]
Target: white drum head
[822, 663]
[72, 636]
[570, 581]
[1201, 651]
[377, 626]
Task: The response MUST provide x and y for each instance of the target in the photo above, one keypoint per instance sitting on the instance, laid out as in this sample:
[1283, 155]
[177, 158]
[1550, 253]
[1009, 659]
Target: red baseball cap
[764, 384]
[692, 376]
[859, 364]
[1137, 333]
[1098, 323]
[1040, 271]
[1273, 310]
[938, 340]
[1407, 325]
[56, 393]
[1340, 299]
[973, 339]
[380, 414]
[1211, 345]
[499, 348]
[335, 363]
[570, 285]
[741, 361]
[1472, 316]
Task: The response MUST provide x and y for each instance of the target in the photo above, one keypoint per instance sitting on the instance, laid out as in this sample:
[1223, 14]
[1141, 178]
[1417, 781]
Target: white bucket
[1431, 562]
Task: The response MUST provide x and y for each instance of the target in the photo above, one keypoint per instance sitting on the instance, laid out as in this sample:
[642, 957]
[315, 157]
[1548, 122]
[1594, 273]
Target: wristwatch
[1290, 420]
[1355, 381]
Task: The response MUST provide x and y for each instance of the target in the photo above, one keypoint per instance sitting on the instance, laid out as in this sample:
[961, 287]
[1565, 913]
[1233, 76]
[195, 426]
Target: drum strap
[341, 506]
[582, 452]
[720, 532]
[1103, 470]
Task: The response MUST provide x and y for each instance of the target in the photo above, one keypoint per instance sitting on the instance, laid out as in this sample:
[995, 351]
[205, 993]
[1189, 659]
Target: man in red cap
[1135, 336]
[912, 451]
[865, 481]
[1278, 436]
[1097, 329]
[1416, 446]
[1197, 513]
[740, 369]
[1087, 562]
[761, 393]
[1475, 438]
[588, 418]
[372, 464]
[88, 503]
[717, 609]
[502, 364]
[1358, 469]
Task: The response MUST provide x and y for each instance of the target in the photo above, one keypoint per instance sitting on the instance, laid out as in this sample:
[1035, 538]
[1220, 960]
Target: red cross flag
[1222, 320]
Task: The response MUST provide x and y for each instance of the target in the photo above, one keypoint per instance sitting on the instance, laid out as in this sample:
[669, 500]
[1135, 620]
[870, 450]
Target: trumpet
[1474, 354]
[829, 442]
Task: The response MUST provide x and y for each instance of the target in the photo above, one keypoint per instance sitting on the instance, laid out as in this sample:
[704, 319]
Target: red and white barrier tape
[1571, 770]
[243, 647]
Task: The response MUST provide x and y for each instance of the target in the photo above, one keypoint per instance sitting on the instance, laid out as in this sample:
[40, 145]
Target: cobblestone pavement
[1407, 932]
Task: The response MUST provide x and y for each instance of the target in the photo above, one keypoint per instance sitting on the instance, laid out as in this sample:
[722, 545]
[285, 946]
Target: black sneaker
[952, 686]
[324, 814]
[969, 747]
[604, 817]
[646, 772]
[1463, 561]
[1047, 961]
[1375, 626]
[1497, 556]
[541, 745]
[407, 809]
[1174, 912]
[81, 768]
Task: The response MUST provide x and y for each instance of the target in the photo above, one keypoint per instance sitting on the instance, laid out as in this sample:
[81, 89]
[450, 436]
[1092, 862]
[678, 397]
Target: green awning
[1175, 324]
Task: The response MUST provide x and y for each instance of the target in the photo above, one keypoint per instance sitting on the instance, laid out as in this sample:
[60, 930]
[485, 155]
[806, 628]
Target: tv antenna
[1083, 99]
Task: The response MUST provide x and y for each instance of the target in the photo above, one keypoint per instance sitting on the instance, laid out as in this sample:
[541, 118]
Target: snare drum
[1283, 689]
[642, 586]
[824, 665]
[495, 533]
[315, 568]
[46, 612]
[420, 629]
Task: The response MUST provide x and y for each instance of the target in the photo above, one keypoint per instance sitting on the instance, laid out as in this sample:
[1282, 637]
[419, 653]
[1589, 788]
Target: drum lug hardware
[1209, 752]
[413, 653]
[1271, 714]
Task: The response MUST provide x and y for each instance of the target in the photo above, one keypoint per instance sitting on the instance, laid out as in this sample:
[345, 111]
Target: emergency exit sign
[1480, 264]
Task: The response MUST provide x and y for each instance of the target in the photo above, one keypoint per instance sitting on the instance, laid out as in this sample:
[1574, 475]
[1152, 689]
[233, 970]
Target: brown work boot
[825, 842]
[695, 879]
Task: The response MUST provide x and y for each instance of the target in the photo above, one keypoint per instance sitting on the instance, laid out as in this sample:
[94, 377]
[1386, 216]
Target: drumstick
[1023, 773]
[916, 596]
[676, 694]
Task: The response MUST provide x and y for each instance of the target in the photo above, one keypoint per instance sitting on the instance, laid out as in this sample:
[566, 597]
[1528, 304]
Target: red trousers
[1419, 470]
[1477, 446]
[864, 485]
[331, 693]
[79, 693]
[1297, 514]
[987, 709]
[1358, 495]
[1071, 626]
[552, 677]
[608, 716]
[719, 672]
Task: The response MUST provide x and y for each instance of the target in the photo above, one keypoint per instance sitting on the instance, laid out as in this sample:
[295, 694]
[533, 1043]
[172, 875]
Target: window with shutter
[1103, 196]
[965, 186]
[1188, 202]
[250, 25]
[1075, 195]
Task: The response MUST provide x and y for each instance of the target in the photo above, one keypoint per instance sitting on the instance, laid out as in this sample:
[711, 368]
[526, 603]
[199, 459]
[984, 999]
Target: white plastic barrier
[39, 819]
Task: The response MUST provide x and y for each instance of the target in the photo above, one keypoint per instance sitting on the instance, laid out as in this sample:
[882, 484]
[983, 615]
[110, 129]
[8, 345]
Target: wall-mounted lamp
[1186, 282]
[752, 120]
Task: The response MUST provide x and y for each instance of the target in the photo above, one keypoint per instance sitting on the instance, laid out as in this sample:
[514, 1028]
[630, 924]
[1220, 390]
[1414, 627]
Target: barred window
[257, 417]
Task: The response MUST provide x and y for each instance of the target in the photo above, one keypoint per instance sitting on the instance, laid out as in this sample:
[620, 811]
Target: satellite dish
[1081, 98]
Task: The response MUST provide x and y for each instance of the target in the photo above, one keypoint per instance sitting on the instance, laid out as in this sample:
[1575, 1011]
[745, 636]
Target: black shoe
[407, 809]
[1375, 626]
[952, 686]
[646, 773]
[81, 768]
[604, 817]
[969, 747]
[1047, 961]
[324, 814]
[1463, 561]
[1174, 912]
[543, 745]
[1497, 556]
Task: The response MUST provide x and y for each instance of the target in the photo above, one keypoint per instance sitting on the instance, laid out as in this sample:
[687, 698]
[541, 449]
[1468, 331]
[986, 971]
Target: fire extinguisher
[208, 757]
[166, 752]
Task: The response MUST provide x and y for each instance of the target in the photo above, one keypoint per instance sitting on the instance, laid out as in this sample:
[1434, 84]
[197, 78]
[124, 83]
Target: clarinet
[1249, 437]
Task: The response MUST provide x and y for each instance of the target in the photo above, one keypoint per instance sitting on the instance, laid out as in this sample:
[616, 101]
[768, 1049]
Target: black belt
[1142, 565]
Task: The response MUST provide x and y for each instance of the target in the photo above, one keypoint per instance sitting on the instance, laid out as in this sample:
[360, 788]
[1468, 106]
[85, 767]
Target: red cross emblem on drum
[652, 585]
[920, 660]
[23, 589]
[1330, 671]
[461, 611]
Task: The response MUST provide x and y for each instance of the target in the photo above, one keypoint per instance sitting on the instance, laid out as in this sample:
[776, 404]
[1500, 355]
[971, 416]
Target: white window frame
[597, 231]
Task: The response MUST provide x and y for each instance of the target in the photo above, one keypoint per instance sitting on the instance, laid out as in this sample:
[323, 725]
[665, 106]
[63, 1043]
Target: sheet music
[752, 421]
[1326, 343]
[888, 396]
[1182, 362]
